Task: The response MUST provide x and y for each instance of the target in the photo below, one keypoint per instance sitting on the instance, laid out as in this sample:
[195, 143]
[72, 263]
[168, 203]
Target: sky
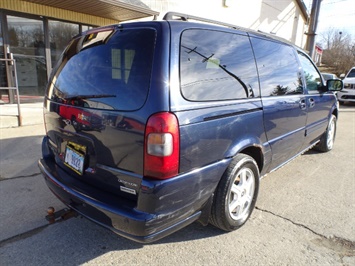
[337, 14]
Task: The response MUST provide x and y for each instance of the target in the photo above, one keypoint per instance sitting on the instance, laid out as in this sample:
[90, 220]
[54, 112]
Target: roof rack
[185, 17]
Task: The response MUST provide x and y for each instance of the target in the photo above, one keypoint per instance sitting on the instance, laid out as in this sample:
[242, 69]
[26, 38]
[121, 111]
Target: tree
[61, 33]
[339, 50]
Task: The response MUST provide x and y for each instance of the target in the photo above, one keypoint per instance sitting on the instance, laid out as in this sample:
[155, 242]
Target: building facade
[35, 32]
[285, 18]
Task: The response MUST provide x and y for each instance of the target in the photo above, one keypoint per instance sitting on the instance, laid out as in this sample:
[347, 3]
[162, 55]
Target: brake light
[161, 146]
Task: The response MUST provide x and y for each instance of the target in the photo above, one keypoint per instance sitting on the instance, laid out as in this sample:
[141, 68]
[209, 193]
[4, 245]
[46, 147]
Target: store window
[3, 82]
[3, 79]
[23, 38]
[26, 43]
[85, 28]
[60, 33]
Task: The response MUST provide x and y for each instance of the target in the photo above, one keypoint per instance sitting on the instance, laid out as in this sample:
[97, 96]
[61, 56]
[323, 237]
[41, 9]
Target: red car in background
[79, 118]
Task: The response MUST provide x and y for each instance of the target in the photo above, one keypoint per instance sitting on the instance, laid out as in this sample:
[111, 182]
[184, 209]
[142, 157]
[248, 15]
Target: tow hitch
[56, 216]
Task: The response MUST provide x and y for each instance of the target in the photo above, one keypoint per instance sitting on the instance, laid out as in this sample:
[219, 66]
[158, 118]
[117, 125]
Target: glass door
[60, 33]
[3, 78]
[26, 44]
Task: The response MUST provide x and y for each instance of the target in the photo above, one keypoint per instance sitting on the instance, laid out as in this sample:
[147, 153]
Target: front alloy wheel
[331, 134]
[326, 142]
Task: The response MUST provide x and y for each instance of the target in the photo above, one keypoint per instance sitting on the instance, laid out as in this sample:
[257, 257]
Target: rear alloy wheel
[326, 142]
[236, 194]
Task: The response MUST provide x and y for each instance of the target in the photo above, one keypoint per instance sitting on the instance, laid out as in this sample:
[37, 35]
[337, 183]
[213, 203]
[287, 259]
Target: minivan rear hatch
[94, 127]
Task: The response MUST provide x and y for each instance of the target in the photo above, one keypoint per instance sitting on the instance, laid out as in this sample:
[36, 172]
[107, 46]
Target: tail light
[161, 149]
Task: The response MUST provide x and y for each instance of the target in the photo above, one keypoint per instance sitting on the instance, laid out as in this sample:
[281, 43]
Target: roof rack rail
[185, 17]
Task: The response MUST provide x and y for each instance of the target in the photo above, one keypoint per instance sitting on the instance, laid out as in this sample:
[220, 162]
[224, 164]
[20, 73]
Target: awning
[109, 9]
[303, 8]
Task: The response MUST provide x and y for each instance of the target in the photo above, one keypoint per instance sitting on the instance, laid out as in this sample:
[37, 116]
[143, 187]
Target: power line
[334, 2]
[337, 15]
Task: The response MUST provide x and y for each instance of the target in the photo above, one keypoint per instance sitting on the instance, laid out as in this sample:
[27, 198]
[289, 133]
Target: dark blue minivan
[151, 126]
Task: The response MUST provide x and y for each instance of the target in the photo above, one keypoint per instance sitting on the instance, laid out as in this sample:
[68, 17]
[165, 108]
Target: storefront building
[35, 32]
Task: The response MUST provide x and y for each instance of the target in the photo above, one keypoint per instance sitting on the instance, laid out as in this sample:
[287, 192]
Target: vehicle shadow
[71, 242]
[347, 107]
[19, 156]
[77, 241]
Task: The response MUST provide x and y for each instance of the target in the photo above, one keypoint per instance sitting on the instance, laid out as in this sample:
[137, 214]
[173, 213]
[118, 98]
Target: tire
[326, 142]
[236, 194]
[341, 102]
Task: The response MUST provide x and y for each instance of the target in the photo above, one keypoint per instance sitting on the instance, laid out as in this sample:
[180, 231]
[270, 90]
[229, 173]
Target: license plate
[74, 159]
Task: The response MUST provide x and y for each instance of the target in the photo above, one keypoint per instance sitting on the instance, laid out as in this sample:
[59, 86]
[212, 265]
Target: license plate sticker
[74, 160]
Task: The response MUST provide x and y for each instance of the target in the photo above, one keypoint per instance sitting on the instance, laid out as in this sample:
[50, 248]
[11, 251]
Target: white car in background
[327, 76]
[347, 94]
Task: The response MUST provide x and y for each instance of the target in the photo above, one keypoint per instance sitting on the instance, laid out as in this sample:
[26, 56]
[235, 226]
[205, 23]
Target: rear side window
[278, 67]
[106, 70]
[216, 66]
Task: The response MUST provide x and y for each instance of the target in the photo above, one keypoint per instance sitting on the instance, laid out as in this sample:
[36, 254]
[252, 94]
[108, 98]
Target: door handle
[302, 104]
[312, 102]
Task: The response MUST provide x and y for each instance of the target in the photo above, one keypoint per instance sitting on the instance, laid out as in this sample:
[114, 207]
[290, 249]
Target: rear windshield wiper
[88, 96]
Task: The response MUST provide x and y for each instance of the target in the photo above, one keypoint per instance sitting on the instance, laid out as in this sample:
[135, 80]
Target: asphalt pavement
[24, 197]
[305, 214]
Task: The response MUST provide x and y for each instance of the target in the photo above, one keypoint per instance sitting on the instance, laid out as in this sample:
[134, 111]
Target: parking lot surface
[305, 215]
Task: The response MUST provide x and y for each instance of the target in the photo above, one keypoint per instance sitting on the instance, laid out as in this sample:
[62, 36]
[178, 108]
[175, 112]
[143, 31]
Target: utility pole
[312, 28]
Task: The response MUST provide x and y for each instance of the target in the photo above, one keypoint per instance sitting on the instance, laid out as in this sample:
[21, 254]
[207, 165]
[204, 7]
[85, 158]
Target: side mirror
[342, 76]
[335, 85]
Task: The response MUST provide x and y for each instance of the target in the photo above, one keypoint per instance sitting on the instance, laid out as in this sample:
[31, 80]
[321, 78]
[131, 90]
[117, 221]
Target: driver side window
[313, 78]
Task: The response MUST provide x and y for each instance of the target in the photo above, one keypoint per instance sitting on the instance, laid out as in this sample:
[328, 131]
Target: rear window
[106, 70]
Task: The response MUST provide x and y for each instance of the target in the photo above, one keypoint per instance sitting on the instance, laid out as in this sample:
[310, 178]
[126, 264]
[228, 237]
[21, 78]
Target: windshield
[107, 70]
[351, 73]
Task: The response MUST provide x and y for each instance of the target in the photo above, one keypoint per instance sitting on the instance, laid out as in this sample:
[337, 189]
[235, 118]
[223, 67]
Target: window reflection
[313, 79]
[216, 66]
[60, 33]
[26, 41]
[3, 80]
[106, 70]
[86, 28]
[26, 38]
[278, 68]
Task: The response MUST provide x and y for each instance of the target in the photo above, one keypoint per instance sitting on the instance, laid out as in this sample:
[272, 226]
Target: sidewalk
[20, 146]
[32, 114]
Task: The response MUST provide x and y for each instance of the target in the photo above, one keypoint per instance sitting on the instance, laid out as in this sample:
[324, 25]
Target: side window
[313, 79]
[217, 66]
[278, 68]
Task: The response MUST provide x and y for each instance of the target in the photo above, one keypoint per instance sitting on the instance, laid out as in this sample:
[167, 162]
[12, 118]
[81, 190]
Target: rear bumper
[123, 217]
